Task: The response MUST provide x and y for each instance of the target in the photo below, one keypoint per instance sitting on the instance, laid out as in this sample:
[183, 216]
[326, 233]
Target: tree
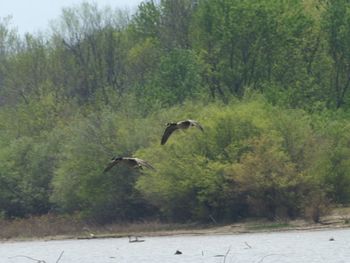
[336, 24]
[176, 79]
[94, 45]
[146, 21]
[270, 183]
[176, 16]
[79, 184]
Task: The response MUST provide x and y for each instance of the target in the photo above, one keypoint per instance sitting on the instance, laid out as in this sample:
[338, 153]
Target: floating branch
[136, 239]
[269, 255]
[228, 251]
[59, 258]
[37, 260]
[248, 246]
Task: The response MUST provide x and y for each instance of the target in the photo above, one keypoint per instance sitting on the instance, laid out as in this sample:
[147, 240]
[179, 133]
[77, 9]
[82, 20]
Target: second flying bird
[181, 125]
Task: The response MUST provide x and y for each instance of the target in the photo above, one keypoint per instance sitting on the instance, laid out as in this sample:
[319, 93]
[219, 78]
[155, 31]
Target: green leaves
[177, 78]
[336, 24]
[262, 77]
[253, 159]
[80, 184]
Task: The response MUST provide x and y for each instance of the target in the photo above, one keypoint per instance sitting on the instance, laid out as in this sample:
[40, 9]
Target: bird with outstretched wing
[129, 161]
[181, 125]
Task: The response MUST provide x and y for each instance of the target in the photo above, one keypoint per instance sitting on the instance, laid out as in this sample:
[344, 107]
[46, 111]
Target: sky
[34, 15]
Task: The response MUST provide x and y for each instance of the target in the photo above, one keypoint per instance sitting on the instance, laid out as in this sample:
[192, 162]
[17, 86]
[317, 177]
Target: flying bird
[173, 126]
[129, 161]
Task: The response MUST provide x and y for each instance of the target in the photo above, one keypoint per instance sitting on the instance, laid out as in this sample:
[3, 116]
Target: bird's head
[169, 124]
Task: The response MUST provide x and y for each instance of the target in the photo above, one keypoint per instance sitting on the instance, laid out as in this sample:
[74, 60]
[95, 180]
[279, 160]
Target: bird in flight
[129, 161]
[182, 125]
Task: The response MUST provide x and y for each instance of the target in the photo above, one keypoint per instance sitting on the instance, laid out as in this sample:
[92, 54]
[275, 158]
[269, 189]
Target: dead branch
[269, 255]
[248, 246]
[228, 251]
[59, 258]
[136, 239]
[38, 260]
[213, 219]
[34, 259]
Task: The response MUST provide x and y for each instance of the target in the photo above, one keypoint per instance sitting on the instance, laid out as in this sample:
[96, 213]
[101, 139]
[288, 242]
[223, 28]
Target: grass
[59, 226]
[54, 226]
[39, 227]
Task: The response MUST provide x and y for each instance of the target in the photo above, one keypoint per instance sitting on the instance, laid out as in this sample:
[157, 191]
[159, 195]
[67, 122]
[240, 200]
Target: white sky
[34, 15]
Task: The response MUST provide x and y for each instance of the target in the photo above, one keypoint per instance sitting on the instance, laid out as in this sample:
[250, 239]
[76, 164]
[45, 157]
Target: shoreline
[245, 227]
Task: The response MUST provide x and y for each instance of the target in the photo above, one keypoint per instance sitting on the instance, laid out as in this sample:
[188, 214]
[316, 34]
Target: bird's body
[129, 161]
[181, 125]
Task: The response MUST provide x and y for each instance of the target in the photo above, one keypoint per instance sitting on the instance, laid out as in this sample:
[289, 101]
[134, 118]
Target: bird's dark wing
[196, 124]
[109, 166]
[168, 131]
[129, 161]
[144, 163]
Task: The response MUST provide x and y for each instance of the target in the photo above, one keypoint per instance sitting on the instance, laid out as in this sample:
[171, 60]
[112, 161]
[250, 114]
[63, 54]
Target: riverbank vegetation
[268, 80]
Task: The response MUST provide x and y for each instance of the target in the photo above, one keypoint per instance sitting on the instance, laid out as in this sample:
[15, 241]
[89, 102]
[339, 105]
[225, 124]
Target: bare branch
[37, 260]
[213, 219]
[248, 246]
[269, 255]
[228, 251]
[59, 258]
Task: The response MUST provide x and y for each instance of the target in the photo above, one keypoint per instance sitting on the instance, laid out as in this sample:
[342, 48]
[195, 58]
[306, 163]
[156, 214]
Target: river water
[295, 246]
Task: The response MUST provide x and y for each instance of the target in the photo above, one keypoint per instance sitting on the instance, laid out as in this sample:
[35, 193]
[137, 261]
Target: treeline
[267, 79]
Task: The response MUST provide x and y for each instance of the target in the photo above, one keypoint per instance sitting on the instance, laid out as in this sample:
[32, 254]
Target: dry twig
[248, 246]
[269, 255]
[59, 258]
[34, 259]
[37, 260]
[228, 251]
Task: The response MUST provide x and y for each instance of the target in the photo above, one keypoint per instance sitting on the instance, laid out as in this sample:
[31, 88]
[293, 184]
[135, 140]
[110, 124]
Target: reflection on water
[301, 246]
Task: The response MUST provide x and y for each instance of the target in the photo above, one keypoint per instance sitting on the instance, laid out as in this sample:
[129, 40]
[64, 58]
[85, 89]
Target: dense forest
[267, 79]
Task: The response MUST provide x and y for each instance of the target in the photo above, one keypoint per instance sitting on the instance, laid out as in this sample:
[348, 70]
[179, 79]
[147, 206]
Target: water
[300, 246]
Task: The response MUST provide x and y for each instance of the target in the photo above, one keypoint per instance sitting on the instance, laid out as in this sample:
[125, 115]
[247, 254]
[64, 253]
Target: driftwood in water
[248, 246]
[34, 259]
[38, 260]
[228, 251]
[136, 239]
[270, 255]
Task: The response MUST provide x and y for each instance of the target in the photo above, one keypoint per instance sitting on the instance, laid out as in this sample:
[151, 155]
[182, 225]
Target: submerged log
[136, 239]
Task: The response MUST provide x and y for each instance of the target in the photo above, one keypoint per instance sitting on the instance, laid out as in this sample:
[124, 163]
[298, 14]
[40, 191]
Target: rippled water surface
[300, 246]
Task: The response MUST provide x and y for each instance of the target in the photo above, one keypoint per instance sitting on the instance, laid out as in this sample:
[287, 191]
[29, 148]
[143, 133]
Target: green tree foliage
[264, 45]
[244, 163]
[268, 80]
[268, 179]
[336, 24]
[80, 183]
[146, 21]
[177, 78]
[92, 40]
[333, 162]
